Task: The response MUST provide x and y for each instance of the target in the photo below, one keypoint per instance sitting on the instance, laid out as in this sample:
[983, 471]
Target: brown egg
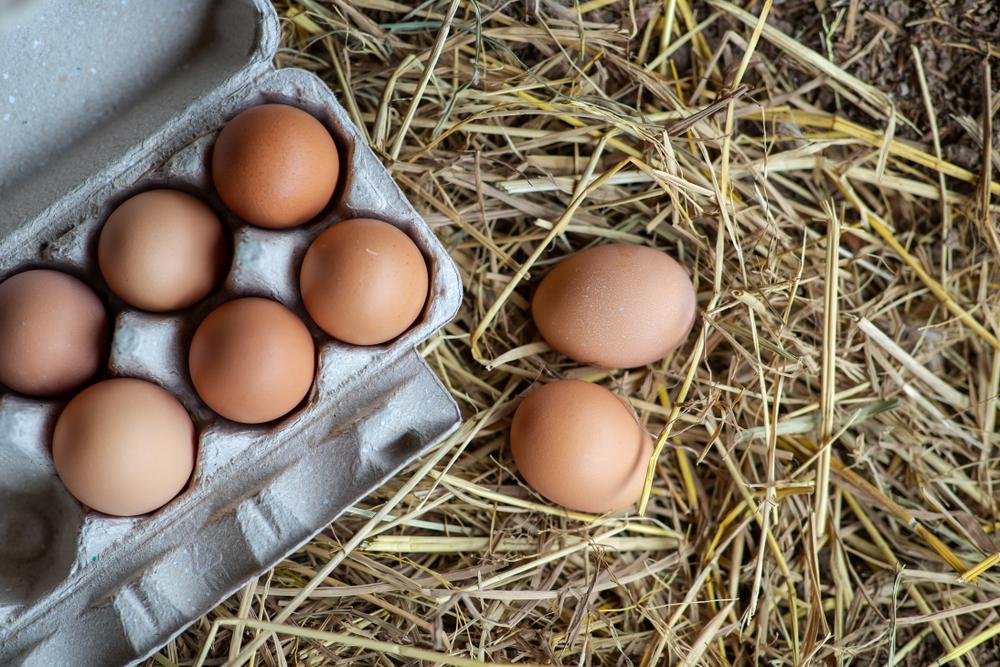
[615, 306]
[580, 446]
[275, 166]
[124, 447]
[252, 360]
[53, 332]
[364, 281]
[162, 250]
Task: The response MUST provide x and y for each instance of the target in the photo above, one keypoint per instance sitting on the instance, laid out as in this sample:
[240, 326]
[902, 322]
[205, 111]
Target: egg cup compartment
[111, 590]
[39, 520]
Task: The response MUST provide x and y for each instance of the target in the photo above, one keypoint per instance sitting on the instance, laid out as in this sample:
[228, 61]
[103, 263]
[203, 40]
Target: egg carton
[105, 99]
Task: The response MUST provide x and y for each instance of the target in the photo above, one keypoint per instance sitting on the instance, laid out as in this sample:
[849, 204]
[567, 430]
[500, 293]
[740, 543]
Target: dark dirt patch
[954, 37]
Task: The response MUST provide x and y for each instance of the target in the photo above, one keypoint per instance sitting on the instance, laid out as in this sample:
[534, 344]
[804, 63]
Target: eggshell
[275, 166]
[252, 360]
[631, 490]
[580, 446]
[53, 332]
[364, 281]
[124, 447]
[615, 306]
[162, 250]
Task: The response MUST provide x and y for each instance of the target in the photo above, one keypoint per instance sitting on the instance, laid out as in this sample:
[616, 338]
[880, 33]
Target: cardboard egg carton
[78, 587]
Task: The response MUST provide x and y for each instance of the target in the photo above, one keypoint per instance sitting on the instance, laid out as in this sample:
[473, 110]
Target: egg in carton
[108, 103]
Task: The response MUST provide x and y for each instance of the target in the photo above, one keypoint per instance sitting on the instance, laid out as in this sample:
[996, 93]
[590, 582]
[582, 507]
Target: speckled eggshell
[364, 281]
[580, 446]
[615, 306]
[53, 332]
[124, 447]
[252, 360]
[162, 250]
[275, 166]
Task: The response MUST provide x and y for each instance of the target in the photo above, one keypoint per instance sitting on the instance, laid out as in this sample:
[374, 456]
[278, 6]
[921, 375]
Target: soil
[953, 37]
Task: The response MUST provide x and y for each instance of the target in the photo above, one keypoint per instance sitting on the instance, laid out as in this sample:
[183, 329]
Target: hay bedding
[826, 490]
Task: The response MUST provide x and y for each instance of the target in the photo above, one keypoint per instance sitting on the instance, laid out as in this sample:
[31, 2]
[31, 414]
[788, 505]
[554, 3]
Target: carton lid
[83, 82]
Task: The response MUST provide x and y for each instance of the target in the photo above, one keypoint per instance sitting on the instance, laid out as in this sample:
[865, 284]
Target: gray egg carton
[99, 100]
